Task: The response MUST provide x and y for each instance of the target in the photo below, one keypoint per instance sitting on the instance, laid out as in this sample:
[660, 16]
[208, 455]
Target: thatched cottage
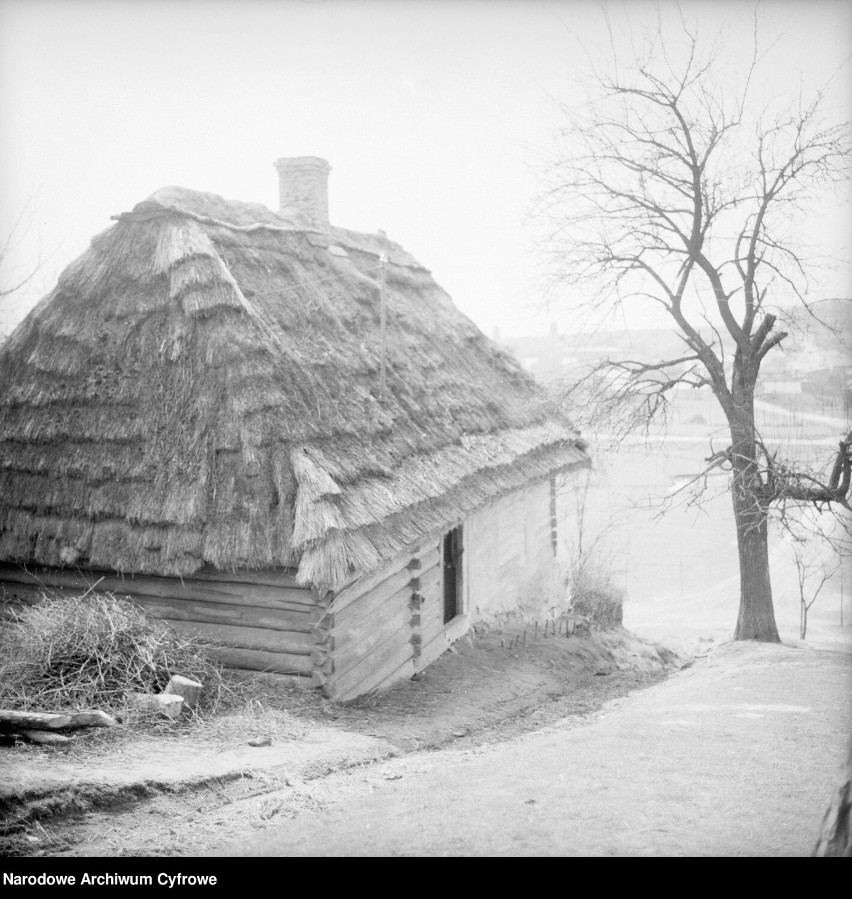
[279, 434]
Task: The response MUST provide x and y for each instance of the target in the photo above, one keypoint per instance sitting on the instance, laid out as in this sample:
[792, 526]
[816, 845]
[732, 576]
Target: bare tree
[811, 577]
[817, 541]
[665, 189]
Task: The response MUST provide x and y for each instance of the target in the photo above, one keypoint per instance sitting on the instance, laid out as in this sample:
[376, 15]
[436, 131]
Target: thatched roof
[202, 388]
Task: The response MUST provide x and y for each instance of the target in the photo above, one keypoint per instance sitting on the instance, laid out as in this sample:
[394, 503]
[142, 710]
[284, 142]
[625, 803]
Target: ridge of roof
[241, 216]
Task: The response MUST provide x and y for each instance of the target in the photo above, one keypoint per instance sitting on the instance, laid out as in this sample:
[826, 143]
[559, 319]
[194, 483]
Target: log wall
[364, 640]
[373, 632]
[258, 621]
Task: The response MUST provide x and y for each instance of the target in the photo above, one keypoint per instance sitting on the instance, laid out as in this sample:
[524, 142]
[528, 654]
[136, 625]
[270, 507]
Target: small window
[452, 556]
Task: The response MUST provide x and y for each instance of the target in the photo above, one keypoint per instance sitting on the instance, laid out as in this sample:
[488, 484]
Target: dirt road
[737, 755]
[120, 791]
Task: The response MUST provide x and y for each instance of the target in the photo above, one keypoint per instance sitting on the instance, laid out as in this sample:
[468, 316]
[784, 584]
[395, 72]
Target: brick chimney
[303, 185]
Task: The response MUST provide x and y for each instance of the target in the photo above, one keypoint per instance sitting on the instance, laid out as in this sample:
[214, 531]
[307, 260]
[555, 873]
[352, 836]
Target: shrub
[603, 610]
[89, 651]
[594, 596]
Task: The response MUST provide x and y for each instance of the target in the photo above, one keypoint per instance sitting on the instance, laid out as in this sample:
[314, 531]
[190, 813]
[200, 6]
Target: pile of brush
[93, 651]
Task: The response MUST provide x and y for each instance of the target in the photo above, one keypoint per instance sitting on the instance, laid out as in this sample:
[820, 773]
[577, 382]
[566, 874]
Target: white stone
[168, 705]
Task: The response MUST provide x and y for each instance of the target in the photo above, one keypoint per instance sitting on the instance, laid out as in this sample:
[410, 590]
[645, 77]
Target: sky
[435, 116]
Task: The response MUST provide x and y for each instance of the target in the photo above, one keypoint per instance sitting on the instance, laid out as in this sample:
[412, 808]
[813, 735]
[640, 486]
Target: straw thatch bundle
[202, 388]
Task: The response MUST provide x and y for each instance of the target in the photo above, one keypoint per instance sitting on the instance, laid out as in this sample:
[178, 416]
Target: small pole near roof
[383, 259]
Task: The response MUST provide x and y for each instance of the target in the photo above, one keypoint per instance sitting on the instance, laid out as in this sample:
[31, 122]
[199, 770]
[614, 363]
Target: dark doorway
[452, 574]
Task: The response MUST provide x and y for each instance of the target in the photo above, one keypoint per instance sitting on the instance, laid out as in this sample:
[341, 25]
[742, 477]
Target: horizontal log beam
[397, 572]
[378, 603]
[385, 672]
[436, 644]
[271, 577]
[258, 660]
[432, 627]
[359, 584]
[218, 613]
[430, 580]
[219, 590]
[356, 658]
[24, 594]
[358, 626]
[246, 637]
[357, 639]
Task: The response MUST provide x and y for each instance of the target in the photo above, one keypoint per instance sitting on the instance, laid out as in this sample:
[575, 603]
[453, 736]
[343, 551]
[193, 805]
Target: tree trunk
[756, 619]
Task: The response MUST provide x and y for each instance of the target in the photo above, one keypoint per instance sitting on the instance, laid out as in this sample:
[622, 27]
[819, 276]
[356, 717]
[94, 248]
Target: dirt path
[557, 747]
[180, 790]
[736, 756]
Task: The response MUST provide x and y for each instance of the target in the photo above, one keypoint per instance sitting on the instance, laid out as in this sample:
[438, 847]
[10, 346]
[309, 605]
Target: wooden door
[452, 553]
